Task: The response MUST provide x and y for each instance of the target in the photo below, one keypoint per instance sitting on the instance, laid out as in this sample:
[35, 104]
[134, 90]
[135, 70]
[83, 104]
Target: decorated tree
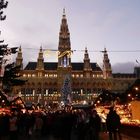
[11, 77]
[9, 72]
[66, 91]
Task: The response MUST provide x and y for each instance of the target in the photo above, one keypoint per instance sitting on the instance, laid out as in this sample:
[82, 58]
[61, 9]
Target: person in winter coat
[94, 125]
[113, 124]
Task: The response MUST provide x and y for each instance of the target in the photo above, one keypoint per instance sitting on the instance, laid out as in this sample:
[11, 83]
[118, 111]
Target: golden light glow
[129, 95]
[136, 88]
[64, 53]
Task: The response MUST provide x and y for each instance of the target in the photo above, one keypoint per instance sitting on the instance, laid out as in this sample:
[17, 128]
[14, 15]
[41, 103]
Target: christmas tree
[66, 90]
[9, 72]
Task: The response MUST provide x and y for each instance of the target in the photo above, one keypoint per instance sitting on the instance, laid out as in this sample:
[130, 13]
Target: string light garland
[55, 52]
[64, 53]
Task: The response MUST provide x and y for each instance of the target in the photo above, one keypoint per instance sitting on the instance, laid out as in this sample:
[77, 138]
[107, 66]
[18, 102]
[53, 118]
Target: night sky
[95, 24]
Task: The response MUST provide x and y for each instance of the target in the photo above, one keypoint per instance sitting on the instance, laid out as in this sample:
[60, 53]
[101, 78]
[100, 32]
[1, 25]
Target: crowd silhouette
[66, 124]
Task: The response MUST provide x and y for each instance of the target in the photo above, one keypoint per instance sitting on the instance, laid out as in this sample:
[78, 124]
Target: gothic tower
[40, 60]
[107, 71]
[87, 65]
[64, 47]
[64, 53]
[19, 58]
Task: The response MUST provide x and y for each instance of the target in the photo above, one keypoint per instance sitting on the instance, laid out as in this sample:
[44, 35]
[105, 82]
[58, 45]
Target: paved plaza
[103, 136]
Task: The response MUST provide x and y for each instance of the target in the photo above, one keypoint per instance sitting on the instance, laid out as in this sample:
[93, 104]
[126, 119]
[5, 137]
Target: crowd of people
[66, 124]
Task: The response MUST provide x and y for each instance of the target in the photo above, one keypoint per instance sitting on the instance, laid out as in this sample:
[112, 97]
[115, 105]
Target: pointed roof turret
[19, 58]
[87, 65]
[106, 60]
[107, 70]
[86, 56]
[64, 46]
[40, 60]
[64, 35]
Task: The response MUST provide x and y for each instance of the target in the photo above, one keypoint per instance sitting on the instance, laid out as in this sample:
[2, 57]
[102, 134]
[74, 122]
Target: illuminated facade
[45, 79]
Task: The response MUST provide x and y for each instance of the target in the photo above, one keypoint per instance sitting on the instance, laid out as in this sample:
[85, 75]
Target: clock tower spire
[64, 46]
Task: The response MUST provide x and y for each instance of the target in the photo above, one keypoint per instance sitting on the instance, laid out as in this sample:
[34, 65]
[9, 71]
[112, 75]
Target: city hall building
[87, 79]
